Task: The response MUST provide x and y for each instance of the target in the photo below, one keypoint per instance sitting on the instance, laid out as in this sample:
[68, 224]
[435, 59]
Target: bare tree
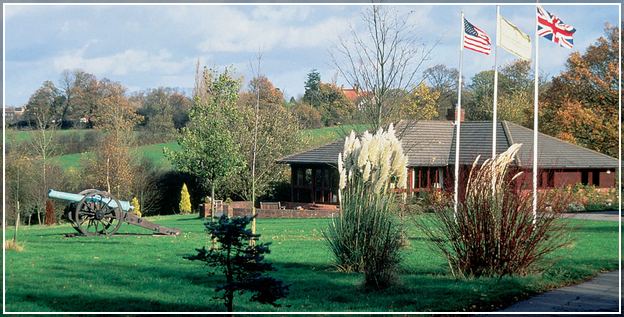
[382, 63]
[41, 111]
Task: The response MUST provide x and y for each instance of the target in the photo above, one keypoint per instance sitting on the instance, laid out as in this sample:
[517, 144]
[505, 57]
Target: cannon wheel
[93, 215]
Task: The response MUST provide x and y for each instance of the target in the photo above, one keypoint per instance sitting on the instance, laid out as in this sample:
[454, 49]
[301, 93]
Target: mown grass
[144, 273]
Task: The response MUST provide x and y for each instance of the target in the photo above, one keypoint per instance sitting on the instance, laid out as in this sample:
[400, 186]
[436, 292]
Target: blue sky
[150, 46]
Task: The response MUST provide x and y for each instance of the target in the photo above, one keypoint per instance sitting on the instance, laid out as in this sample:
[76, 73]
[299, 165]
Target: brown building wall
[565, 178]
[607, 179]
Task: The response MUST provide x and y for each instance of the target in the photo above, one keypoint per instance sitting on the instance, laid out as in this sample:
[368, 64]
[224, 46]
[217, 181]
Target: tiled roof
[432, 143]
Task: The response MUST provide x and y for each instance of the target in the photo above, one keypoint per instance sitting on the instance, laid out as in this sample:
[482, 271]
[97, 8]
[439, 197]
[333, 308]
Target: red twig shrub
[50, 216]
[494, 232]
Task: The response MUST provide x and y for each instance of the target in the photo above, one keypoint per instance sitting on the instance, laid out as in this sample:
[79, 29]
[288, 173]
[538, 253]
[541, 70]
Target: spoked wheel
[98, 213]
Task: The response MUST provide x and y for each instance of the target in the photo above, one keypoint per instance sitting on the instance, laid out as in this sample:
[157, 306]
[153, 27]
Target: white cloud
[265, 28]
[123, 63]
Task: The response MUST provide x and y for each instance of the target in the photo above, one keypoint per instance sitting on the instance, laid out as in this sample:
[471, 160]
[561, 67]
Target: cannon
[93, 212]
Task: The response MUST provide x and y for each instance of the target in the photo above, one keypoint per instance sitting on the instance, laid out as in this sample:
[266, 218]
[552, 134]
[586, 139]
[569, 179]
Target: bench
[271, 205]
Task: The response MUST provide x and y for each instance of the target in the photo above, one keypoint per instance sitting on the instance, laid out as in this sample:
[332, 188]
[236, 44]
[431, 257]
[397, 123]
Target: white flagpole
[458, 115]
[495, 108]
[535, 120]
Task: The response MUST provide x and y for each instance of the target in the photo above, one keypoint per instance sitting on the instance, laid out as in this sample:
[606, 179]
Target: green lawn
[145, 273]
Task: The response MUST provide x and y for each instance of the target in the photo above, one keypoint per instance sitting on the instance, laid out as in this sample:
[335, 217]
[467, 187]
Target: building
[13, 114]
[430, 147]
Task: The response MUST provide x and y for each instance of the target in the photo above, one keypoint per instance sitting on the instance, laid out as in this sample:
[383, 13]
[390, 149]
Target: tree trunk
[17, 222]
[212, 200]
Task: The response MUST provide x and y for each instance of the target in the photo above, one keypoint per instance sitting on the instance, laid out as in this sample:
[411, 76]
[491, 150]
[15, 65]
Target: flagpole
[535, 120]
[495, 108]
[458, 115]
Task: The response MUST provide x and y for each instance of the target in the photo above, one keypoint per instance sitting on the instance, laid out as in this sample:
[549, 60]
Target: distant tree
[334, 105]
[581, 105]
[277, 136]
[112, 166]
[312, 88]
[157, 112]
[308, 116]
[185, 200]
[443, 80]
[420, 104]
[385, 59]
[86, 94]
[41, 111]
[515, 91]
[208, 150]
[242, 263]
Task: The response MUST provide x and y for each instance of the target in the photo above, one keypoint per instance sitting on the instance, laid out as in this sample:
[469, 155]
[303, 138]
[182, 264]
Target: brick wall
[284, 213]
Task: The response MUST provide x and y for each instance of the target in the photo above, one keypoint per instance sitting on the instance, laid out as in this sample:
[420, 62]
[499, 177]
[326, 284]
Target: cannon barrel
[75, 198]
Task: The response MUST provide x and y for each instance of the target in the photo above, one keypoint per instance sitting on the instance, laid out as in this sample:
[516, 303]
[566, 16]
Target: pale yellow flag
[513, 40]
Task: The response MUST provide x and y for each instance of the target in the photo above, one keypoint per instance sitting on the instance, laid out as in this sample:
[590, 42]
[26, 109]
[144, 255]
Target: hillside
[154, 152]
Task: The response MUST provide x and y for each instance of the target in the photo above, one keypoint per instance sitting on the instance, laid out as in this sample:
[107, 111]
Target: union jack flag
[552, 28]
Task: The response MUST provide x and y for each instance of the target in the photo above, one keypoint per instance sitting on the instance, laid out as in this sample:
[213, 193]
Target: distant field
[17, 136]
[154, 152]
[318, 137]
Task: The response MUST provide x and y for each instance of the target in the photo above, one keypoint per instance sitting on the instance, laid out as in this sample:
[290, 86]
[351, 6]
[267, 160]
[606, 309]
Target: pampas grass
[494, 232]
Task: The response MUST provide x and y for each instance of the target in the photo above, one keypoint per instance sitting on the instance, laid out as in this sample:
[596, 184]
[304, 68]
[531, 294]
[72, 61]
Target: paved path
[597, 295]
[602, 215]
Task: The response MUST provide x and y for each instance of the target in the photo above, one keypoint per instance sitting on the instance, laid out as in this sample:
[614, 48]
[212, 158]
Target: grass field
[154, 152]
[134, 272]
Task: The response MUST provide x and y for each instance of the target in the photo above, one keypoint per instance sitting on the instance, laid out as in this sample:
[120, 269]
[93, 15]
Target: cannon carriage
[93, 212]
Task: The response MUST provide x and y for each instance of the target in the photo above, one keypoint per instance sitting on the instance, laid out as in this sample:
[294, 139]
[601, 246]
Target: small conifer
[137, 206]
[185, 200]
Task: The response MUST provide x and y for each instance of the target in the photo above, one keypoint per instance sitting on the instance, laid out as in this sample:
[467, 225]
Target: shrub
[240, 261]
[12, 245]
[494, 232]
[185, 200]
[50, 216]
[366, 236]
[137, 206]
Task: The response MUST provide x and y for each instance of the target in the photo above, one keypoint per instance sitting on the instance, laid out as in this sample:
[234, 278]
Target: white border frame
[5, 5]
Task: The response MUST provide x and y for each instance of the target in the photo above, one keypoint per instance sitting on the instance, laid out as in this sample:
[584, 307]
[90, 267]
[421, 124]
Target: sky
[145, 47]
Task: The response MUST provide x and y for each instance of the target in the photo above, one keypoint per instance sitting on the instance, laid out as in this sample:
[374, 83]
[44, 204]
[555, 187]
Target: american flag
[552, 28]
[476, 39]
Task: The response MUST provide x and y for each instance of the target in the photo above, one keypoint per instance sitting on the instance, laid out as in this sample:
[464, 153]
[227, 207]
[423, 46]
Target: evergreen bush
[185, 200]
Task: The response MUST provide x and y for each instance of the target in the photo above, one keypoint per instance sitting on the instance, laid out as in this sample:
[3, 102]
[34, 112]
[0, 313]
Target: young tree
[384, 60]
[276, 134]
[208, 150]
[185, 200]
[242, 263]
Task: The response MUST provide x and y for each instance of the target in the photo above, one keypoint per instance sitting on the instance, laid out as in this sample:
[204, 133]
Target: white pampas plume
[367, 172]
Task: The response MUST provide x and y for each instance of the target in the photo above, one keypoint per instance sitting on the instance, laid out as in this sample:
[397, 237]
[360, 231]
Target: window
[596, 178]
[416, 177]
[585, 177]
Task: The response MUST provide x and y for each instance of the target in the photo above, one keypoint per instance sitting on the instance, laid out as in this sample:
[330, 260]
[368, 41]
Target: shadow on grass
[93, 302]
